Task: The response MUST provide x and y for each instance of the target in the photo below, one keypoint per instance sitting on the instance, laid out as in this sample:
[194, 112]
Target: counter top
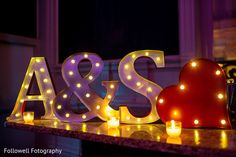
[193, 142]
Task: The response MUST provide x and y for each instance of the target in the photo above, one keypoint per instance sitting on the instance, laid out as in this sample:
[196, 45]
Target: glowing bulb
[58, 107]
[22, 100]
[87, 95]
[55, 123]
[72, 61]
[17, 114]
[90, 77]
[158, 59]
[70, 73]
[67, 127]
[112, 86]
[223, 122]
[129, 77]
[218, 72]
[85, 55]
[45, 80]
[65, 96]
[196, 122]
[193, 64]
[30, 74]
[98, 132]
[67, 115]
[26, 86]
[29, 97]
[40, 97]
[146, 53]
[51, 102]
[128, 129]
[126, 66]
[109, 96]
[149, 89]
[49, 91]
[97, 64]
[78, 85]
[139, 120]
[98, 107]
[42, 69]
[175, 113]
[220, 96]
[84, 127]
[128, 117]
[84, 116]
[138, 84]
[161, 101]
[133, 56]
[38, 60]
[182, 87]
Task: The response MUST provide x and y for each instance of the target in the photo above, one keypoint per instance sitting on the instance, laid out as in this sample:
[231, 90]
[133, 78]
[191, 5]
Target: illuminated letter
[134, 81]
[38, 67]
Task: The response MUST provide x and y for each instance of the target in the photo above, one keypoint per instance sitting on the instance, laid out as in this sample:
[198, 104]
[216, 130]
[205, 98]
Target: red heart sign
[199, 100]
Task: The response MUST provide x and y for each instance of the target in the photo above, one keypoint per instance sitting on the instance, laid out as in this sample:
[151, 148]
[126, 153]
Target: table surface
[194, 142]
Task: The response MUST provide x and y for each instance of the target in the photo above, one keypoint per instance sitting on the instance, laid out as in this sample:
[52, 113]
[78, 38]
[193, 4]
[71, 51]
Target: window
[114, 28]
[18, 17]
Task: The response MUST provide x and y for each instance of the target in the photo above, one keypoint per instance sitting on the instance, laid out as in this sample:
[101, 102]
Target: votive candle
[28, 117]
[173, 128]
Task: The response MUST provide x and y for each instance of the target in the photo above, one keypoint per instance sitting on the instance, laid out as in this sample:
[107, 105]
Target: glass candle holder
[173, 128]
[174, 140]
[113, 122]
[28, 117]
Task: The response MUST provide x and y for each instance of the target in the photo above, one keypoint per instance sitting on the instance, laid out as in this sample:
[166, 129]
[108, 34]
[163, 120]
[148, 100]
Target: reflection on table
[146, 136]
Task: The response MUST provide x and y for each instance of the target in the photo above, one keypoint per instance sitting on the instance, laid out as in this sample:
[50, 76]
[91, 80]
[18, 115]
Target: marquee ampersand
[79, 86]
[134, 81]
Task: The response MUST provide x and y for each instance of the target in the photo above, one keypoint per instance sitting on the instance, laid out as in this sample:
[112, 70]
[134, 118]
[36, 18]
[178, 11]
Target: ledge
[19, 40]
[192, 142]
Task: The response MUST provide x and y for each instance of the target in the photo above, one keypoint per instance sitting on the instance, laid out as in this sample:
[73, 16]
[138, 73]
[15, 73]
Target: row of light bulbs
[182, 87]
[26, 86]
[129, 77]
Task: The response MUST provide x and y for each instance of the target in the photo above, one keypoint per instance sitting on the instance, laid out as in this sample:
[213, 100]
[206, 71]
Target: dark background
[110, 28]
[18, 17]
[113, 28]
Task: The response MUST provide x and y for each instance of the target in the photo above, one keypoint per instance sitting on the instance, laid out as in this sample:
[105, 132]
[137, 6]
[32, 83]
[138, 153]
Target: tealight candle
[173, 128]
[28, 117]
[113, 122]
